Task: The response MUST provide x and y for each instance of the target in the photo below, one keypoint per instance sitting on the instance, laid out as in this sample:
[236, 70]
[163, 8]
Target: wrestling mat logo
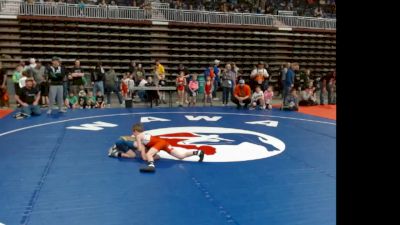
[220, 144]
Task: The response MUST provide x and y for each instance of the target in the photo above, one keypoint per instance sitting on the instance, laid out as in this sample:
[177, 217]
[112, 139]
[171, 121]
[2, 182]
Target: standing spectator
[124, 86]
[226, 83]
[289, 81]
[140, 73]
[4, 101]
[28, 97]
[56, 75]
[160, 80]
[16, 76]
[259, 76]
[208, 88]
[132, 67]
[97, 78]
[328, 85]
[142, 93]
[193, 87]
[242, 94]
[36, 70]
[284, 69]
[216, 80]
[111, 85]
[180, 87]
[76, 77]
[23, 79]
[152, 95]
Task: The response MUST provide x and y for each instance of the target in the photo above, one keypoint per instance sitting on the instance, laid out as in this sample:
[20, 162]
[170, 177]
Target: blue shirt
[289, 77]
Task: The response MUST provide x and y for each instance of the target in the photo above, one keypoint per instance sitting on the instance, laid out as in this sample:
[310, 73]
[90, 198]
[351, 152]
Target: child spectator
[193, 88]
[268, 94]
[142, 93]
[227, 84]
[124, 86]
[82, 101]
[180, 87]
[100, 103]
[308, 97]
[291, 102]
[90, 100]
[208, 88]
[131, 85]
[71, 102]
[257, 99]
[16, 76]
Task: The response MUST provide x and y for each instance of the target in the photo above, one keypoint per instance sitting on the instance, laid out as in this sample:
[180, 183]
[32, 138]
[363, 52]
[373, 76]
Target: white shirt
[263, 71]
[142, 83]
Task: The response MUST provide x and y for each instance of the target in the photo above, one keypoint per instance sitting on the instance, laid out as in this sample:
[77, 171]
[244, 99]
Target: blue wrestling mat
[262, 167]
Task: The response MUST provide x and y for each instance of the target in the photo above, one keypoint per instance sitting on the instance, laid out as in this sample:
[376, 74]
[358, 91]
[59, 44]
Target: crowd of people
[312, 8]
[38, 86]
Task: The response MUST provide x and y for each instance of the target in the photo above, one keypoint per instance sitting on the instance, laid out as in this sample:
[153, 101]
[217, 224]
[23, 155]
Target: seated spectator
[257, 99]
[82, 99]
[28, 97]
[100, 103]
[242, 95]
[308, 97]
[291, 102]
[268, 94]
[193, 87]
[71, 102]
[90, 100]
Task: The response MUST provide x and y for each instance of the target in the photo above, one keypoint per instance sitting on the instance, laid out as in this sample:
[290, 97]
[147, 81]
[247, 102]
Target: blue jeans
[98, 86]
[124, 146]
[31, 110]
[215, 86]
[226, 91]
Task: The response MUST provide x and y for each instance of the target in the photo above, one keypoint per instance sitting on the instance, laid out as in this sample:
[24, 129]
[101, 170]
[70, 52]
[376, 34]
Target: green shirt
[72, 99]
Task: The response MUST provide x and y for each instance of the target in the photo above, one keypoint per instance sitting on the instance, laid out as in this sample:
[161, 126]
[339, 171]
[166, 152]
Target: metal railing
[163, 14]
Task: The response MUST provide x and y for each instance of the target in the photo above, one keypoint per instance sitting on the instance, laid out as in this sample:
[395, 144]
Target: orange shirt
[242, 91]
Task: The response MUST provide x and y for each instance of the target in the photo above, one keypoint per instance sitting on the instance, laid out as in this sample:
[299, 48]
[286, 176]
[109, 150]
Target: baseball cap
[241, 81]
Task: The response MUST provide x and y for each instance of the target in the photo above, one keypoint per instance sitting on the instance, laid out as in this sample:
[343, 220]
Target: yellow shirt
[160, 69]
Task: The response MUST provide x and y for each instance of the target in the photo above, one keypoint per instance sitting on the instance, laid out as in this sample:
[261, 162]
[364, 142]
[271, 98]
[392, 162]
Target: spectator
[284, 69]
[268, 94]
[132, 67]
[82, 98]
[227, 84]
[257, 99]
[71, 101]
[180, 87]
[16, 77]
[140, 73]
[182, 68]
[208, 88]
[76, 77]
[216, 81]
[242, 95]
[259, 76]
[28, 97]
[24, 76]
[152, 95]
[90, 100]
[328, 86]
[193, 87]
[124, 85]
[103, 4]
[307, 97]
[100, 100]
[291, 102]
[289, 80]
[97, 78]
[305, 79]
[56, 75]
[142, 93]
[4, 99]
[111, 85]
[160, 80]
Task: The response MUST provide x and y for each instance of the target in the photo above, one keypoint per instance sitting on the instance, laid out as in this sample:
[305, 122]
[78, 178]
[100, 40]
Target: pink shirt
[268, 96]
[194, 85]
